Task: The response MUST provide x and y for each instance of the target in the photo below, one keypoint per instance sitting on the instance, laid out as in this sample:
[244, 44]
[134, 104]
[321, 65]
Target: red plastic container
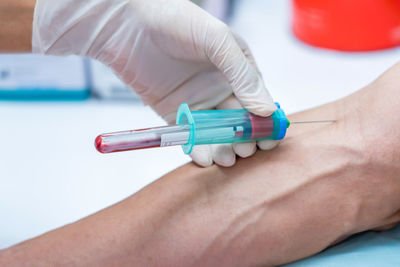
[347, 25]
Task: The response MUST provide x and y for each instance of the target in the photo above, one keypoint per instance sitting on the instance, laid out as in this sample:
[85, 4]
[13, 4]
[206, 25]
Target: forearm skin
[16, 18]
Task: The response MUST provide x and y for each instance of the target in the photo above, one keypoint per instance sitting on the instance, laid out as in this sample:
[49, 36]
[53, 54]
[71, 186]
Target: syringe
[199, 128]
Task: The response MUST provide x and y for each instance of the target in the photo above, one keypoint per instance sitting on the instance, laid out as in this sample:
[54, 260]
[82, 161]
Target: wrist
[369, 129]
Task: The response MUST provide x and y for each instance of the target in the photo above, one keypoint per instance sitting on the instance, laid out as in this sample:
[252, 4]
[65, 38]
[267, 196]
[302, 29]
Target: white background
[50, 173]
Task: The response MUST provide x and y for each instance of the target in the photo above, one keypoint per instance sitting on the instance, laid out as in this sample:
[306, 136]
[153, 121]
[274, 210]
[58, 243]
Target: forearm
[243, 215]
[16, 25]
[322, 184]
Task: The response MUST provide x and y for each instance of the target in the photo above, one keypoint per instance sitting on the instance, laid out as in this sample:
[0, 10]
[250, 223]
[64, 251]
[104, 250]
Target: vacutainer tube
[199, 128]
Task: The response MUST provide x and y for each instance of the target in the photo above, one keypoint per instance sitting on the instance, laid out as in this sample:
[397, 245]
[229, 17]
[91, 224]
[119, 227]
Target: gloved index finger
[225, 53]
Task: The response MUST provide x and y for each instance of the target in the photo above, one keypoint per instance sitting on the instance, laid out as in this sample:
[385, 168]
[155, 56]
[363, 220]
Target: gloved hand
[168, 51]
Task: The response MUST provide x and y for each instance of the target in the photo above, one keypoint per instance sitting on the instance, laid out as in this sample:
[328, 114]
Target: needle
[323, 121]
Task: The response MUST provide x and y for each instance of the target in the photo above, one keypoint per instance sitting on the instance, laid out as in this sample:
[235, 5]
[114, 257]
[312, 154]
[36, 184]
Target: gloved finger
[203, 91]
[246, 51]
[226, 54]
[267, 144]
[230, 102]
[201, 155]
[223, 154]
[244, 150]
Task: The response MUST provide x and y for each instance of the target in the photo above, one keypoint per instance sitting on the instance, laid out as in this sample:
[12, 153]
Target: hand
[169, 52]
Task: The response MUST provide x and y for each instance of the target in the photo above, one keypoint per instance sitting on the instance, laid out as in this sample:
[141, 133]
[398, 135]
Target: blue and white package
[37, 77]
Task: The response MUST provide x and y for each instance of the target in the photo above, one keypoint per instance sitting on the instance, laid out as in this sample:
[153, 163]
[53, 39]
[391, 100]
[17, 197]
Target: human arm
[16, 25]
[323, 184]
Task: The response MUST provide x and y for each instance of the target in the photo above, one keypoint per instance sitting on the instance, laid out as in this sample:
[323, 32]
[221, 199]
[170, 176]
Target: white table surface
[50, 173]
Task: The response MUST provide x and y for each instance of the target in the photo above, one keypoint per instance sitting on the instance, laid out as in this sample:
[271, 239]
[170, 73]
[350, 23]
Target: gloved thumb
[226, 53]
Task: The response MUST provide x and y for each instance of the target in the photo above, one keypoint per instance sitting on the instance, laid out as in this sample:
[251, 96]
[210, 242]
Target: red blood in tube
[104, 147]
[261, 127]
[98, 144]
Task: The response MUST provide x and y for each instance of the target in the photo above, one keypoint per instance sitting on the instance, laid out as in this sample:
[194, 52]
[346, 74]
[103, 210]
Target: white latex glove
[168, 51]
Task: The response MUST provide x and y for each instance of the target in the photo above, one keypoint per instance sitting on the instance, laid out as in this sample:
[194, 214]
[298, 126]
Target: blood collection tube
[139, 139]
[199, 128]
